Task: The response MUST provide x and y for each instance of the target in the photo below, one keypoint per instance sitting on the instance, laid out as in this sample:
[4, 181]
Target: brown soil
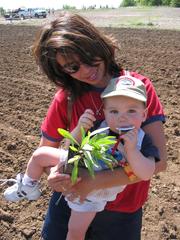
[25, 97]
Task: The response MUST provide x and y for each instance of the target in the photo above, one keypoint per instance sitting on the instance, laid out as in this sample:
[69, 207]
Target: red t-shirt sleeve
[56, 117]
[155, 109]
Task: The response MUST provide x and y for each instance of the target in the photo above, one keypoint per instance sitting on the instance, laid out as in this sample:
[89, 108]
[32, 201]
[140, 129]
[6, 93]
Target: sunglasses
[71, 68]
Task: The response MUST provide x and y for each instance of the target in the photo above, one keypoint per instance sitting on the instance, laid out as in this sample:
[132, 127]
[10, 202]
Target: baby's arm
[86, 121]
[142, 166]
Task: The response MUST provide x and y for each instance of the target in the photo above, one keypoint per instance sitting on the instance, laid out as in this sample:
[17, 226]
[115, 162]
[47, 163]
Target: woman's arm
[87, 184]
[156, 131]
[45, 142]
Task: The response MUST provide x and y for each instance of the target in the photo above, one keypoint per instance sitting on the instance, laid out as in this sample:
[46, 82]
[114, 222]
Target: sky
[56, 4]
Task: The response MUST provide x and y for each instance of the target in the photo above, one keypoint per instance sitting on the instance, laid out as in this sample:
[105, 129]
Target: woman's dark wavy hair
[71, 35]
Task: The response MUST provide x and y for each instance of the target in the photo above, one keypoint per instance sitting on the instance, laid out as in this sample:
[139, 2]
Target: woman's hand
[59, 181]
[82, 188]
[86, 120]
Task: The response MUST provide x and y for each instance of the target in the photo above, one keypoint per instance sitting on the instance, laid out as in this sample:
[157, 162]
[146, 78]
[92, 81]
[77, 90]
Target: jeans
[106, 225]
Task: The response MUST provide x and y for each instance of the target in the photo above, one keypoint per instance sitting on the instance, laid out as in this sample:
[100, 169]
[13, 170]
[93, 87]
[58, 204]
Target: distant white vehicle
[20, 13]
[38, 12]
[25, 13]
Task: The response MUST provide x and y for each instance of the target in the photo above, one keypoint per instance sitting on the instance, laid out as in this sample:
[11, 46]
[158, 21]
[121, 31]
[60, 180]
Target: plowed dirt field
[26, 95]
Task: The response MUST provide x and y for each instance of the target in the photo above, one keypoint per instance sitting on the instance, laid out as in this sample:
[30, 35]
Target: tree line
[171, 3]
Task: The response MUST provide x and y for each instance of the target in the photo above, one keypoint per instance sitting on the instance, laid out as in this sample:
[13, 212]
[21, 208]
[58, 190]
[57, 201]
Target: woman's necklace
[98, 110]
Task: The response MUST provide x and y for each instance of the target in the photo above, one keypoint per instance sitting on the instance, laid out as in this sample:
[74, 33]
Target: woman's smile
[93, 75]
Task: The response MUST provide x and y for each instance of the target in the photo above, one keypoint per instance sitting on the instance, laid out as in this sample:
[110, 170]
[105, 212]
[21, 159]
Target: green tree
[175, 3]
[142, 2]
[172, 3]
[155, 2]
[128, 3]
[68, 7]
[166, 2]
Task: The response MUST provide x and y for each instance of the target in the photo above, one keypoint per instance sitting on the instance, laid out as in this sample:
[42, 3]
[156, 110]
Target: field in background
[148, 17]
[154, 17]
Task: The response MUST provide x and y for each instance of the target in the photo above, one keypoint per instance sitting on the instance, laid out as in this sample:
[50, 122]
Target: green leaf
[73, 148]
[87, 147]
[67, 135]
[83, 133]
[103, 139]
[91, 158]
[74, 174]
[74, 159]
[85, 140]
[88, 163]
[106, 141]
[98, 136]
[108, 164]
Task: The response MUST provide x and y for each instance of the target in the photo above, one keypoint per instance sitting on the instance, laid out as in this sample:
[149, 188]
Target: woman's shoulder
[61, 95]
[141, 77]
[147, 82]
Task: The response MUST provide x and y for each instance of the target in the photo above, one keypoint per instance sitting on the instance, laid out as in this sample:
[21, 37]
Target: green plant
[93, 147]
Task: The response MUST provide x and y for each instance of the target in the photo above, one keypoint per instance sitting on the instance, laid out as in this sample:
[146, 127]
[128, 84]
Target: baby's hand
[130, 140]
[87, 119]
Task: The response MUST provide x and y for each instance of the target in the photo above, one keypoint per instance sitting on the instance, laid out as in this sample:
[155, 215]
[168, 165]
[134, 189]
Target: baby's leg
[27, 186]
[78, 224]
[44, 157]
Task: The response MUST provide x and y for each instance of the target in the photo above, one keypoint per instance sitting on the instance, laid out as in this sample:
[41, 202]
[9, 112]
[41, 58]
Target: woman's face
[93, 75]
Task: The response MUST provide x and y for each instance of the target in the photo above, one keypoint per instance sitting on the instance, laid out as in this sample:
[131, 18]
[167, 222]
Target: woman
[81, 61]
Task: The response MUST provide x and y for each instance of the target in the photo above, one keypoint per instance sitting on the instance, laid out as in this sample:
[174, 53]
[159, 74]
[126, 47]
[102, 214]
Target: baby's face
[123, 111]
